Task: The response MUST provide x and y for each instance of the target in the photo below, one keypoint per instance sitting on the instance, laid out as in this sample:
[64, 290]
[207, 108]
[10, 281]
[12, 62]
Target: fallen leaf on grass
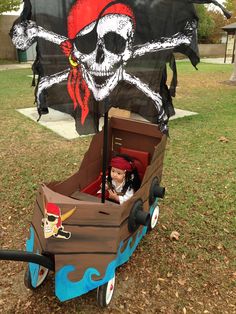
[158, 288]
[200, 303]
[223, 139]
[27, 304]
[182, 282]
[174, 235]
[164, 227]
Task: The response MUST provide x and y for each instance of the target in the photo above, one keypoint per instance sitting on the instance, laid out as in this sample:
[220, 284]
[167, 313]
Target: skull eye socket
[52, 218]
[114, 42]
[86, 43]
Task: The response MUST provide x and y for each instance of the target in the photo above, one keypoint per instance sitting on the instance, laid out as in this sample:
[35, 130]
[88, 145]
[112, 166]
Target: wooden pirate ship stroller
[82, 240]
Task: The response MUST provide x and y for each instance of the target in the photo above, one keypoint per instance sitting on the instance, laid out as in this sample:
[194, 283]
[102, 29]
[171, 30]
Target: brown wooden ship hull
[91, 239]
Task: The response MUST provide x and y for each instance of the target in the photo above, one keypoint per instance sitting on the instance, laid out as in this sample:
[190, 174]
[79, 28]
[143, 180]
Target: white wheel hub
[155, 216]
[42, 275]
[110, 290]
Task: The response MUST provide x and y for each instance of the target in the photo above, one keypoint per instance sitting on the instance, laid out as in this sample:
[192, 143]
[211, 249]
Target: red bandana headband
[121, 163]
[54, 210]
[84, 12]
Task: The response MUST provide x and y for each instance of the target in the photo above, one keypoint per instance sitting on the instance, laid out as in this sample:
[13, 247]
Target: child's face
[117, 175]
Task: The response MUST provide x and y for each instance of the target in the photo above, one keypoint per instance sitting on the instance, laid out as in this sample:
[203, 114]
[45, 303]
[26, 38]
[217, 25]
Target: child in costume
[122, 180]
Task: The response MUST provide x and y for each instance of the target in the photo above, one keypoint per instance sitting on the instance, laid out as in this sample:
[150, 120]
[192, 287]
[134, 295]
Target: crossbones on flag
[92, 50]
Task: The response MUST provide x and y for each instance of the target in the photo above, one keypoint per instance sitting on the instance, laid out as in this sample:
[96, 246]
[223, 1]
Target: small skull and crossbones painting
[52, 222]
[100, 42]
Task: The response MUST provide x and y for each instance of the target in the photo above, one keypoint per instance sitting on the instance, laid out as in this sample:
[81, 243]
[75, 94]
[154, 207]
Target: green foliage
[9, 5]
[219, 22]
[206, 24]
[230, 4]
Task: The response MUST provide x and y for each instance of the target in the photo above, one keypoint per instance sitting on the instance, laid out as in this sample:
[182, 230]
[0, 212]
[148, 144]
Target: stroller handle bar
[23, 256]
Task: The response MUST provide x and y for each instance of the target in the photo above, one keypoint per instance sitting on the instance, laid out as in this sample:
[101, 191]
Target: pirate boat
[83, 240]
[78, 237]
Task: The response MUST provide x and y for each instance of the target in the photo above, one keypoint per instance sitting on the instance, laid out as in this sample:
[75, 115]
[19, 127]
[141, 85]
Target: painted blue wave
[66, 289]
[33, 268]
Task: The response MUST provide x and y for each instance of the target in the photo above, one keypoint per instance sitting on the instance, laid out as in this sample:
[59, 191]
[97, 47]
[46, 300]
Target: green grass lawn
[196, 273]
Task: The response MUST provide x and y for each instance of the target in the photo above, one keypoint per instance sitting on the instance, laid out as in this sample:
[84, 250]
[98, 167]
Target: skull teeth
[101, 73]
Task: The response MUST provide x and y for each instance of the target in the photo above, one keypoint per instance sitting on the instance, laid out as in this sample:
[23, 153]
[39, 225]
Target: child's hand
[113, 196]
[106, 186]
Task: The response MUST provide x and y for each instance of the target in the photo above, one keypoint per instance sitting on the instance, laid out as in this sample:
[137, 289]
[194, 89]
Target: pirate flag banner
[89, 51]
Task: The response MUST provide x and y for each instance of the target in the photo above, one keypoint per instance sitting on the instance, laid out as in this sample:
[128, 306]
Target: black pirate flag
[89, 51]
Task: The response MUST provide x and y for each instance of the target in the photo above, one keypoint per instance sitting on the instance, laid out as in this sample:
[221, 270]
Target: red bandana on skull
[83, 13]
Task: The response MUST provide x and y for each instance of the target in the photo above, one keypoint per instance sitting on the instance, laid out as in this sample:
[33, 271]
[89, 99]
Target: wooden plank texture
[85, 240]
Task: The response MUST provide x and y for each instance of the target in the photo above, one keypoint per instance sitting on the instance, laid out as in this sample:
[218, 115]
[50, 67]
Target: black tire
[43, 272]
[105, 293]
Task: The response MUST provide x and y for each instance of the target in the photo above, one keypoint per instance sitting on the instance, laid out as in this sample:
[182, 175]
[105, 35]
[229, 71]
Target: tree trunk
[233, 76]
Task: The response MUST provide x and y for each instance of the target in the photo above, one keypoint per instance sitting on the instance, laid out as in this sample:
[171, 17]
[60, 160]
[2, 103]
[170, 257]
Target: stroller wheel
[105, 293]
[42, 274]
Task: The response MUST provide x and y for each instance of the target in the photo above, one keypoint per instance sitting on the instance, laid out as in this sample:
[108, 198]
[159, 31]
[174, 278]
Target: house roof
[229, 27]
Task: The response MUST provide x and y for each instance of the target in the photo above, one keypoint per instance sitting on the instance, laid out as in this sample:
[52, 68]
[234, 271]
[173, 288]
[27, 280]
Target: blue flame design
[33, 268]
[66, 289]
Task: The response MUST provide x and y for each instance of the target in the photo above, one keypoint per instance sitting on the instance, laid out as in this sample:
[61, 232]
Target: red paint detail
[84, 12]
[54, 210]
[111, 287]
[93, 187]
[77, 87]
[66, 47]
